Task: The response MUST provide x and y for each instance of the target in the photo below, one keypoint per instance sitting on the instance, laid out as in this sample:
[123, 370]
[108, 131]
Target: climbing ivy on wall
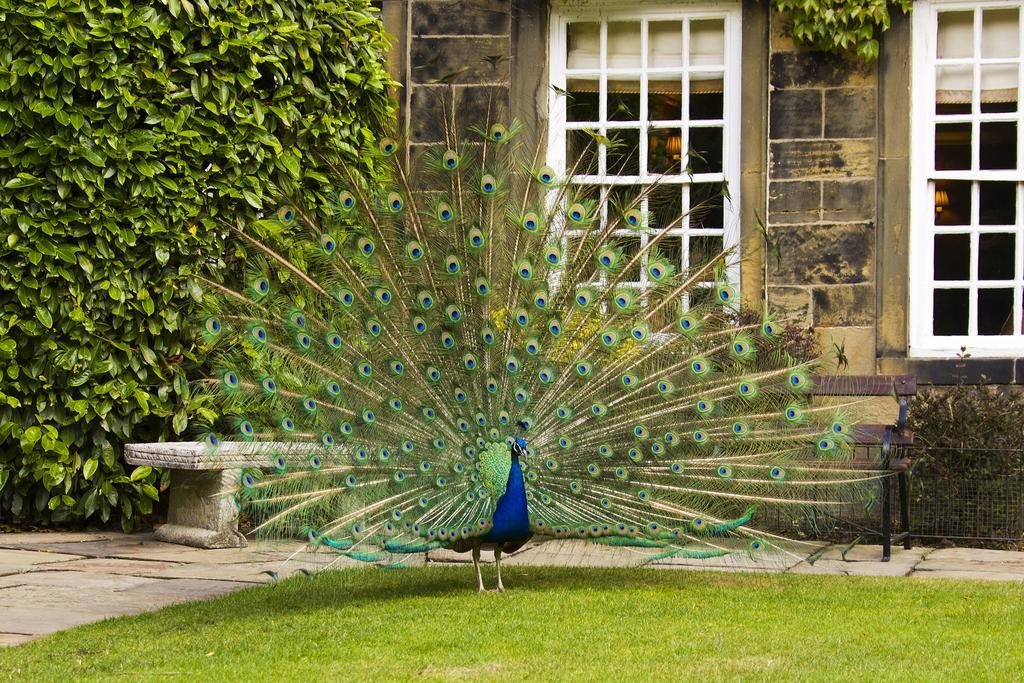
[841, 25]
[131, 133]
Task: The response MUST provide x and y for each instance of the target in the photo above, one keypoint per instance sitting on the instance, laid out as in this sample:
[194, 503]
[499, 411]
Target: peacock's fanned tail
[373, 353]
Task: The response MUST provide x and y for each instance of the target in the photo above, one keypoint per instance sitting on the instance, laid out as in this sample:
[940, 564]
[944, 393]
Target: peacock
[447, 353]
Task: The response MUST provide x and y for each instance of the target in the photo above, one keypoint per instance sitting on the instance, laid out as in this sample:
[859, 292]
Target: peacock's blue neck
[511, 518]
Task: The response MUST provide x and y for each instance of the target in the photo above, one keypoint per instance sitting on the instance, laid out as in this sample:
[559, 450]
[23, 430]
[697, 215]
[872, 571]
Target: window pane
[700, 296]
[1018, 323]
[997, 203]
[707, 205]
[578, 254]
[706, 95]
[623, 100]
[703, 248]
[664, 151]
[952, 260]
[624, 197]
[956, 35]
[952, 202]
[624, 152]
[952, 146]
[665, 205]
[995, 311]
[999, 37]
[624, 45]
[580, 153]
[998, 88]
[665, 100]
[998, 145]
[587, 193]
[667, 317]
[949, 312]
[705, 105]
[583, 101]
[996, 252]
[584, 46]
[665, 44]
[707, 42]
[954, 89]
[671, 249]
[630, 248]
[705, 150]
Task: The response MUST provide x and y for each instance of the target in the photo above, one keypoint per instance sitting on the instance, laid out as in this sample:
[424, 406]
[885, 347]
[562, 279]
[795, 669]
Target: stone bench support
[201, 513]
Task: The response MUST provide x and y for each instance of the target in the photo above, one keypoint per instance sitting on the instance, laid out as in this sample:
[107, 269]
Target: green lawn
[555, 623]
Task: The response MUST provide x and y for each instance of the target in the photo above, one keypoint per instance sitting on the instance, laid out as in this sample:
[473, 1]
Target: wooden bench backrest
[865, 385]
[900, 386]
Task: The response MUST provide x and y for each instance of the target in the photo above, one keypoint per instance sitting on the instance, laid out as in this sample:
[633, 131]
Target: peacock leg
[497, 565]
[476, 565]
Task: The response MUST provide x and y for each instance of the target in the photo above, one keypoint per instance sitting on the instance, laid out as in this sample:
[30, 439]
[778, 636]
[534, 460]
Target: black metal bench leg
[904, 510]
[886, 520]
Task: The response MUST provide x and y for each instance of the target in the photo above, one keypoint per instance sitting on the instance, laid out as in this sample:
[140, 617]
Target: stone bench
[201, 512]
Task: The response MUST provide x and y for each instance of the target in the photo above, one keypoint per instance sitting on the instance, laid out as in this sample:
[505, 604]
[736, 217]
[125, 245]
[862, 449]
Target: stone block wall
[822, 142]
[821, 217]
[459, 49]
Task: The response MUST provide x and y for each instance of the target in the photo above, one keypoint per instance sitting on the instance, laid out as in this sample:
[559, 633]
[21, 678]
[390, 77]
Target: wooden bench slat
[874, 435]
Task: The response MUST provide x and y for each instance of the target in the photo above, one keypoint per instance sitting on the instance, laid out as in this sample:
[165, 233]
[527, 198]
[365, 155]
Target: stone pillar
[460, 50]
[823, 152]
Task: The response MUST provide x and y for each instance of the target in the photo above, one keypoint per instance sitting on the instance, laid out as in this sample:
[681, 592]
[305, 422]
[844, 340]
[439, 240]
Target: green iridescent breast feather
[495, 465]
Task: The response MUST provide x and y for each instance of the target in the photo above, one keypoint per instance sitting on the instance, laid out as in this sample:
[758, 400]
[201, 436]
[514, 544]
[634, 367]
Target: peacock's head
[519, 447]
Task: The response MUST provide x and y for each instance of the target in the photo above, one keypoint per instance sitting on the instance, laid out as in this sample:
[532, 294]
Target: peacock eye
[286, 214]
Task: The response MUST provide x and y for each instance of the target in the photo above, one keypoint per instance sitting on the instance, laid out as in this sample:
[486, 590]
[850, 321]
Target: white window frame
[922, 343]
[645, 12]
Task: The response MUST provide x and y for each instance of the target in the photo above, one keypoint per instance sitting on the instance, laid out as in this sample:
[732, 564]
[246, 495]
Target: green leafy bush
[841, 25]
[133, 135]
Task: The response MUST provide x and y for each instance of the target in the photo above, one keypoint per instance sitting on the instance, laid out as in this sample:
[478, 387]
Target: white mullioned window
[967, 175]
[662, 84]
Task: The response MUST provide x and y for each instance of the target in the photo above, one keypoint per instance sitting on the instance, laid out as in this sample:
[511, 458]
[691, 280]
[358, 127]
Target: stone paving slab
[40, 607]
[954, 565]
[53, 581]
[23, 538]
[134, 546]
[110, 565]
[32, 557]
[983, 555]
[821, 567]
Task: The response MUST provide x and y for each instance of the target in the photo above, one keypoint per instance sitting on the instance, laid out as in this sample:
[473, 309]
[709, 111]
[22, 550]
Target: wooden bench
[201, 511]
[893, 441]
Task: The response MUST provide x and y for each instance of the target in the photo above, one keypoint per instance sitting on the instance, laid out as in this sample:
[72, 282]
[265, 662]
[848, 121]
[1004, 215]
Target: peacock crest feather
[384, 363]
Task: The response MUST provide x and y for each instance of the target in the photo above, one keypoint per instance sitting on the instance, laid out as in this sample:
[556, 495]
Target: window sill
[947, 371]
